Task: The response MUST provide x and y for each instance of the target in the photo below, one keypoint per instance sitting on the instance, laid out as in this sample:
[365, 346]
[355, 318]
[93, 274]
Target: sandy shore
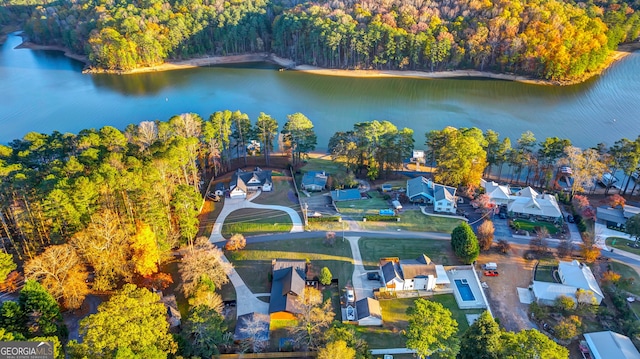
[191, 63]
[623, 50]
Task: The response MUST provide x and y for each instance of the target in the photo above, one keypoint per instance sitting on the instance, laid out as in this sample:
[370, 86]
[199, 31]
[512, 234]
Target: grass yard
[415, 221]
[254, 262]
[372, 249]
[623, 244]
[626, 272]
[363, 207]
[531, 226]
[394, 315]
[544, 272]
[323, 163]
[280, 195]
[207, 217]
[256, 221]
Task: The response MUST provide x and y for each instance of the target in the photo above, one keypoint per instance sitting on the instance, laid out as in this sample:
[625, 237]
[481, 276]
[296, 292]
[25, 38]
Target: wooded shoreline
[287, 64]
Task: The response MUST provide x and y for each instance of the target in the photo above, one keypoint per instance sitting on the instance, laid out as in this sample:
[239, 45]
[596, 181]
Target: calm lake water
[44, 91]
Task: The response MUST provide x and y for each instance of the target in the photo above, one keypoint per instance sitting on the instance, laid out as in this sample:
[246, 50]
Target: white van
[490, 266]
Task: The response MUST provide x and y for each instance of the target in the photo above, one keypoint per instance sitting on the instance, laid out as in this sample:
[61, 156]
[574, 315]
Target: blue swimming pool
[465, 290]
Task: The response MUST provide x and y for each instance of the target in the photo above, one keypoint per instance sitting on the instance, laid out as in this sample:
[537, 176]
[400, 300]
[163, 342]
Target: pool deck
[466, 272]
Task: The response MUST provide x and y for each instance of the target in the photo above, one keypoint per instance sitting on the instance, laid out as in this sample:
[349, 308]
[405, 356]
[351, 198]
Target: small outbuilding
[369, 312]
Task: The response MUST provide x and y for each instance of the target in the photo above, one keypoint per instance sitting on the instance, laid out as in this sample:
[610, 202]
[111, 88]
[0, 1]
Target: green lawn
[394, 315]
[279, 196]
[623, 243]
[544, 272]
[256, 221]
[323, 164]
[626, 272]
[372, 249]
[254, 262]
[415, 221]
[360, 208]
[531, 226]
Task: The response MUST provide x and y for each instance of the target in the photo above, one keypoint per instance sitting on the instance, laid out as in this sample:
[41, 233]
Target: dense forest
[551, 39]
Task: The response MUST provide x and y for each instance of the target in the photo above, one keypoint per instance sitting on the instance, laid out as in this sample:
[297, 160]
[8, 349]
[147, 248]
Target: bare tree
[586, 166]
[147, 134]
[201, 262]
[485, 235]
[314, 318]
[252, 329]
[504, 246]
[62, 273]
[565, 248]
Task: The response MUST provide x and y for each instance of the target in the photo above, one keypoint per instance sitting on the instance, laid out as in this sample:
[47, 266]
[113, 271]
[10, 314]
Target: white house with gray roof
[412, 274]
[526, 202]
[423, 190]
[574, 277]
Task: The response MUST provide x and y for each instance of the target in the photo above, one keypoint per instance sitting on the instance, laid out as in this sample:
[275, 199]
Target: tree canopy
[432, 330]
[553, 39]
[464, 243]
[132, 322]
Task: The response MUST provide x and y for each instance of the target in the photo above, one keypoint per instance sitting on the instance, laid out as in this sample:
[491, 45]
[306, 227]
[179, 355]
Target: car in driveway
[351, 296]
[491, 273]
[373, 276]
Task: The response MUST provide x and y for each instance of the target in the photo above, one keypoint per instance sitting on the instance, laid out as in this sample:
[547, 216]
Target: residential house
[173, 314]
[499, 194]
[525, 203]
[412, 274]
[423, 190]
[287, 285]
[243, 182]
[615, 217]
[346, 195]
[574, 277]
[314, 181]
[219, 189]
[369, 312]
[608, 344]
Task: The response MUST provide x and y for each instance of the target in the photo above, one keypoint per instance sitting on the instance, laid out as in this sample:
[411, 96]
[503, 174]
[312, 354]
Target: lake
[44, 91]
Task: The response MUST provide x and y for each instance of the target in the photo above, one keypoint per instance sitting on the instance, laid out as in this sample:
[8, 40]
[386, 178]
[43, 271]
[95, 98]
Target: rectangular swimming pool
[465, 290]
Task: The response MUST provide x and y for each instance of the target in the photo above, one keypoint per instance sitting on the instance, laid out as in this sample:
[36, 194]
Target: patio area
[466, 288]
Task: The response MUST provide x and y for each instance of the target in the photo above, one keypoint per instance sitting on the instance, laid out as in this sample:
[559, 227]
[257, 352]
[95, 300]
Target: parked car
[570, 219]
[373, 276]
[351, 296]
[491, 273]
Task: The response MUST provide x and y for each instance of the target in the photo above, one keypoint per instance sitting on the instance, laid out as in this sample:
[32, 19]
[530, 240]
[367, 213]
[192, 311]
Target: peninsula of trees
[548, 39]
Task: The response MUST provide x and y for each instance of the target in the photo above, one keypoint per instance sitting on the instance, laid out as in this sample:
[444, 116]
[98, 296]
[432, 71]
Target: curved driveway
[246, 300]
[233, 204]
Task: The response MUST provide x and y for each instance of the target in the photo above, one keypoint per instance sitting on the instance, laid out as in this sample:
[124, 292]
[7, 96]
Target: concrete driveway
[246, 300]
[361, 285]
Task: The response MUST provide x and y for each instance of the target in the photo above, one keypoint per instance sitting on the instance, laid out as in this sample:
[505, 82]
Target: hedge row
[324, 219]
[379, 218]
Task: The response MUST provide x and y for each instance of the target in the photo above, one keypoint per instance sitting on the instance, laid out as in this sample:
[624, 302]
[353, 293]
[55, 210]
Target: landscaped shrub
[379, 218]
[324, 219]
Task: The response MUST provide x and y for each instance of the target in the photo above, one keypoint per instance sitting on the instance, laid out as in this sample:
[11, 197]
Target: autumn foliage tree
[236, 242]
[203, 263]
[145, 252]
[616, 200]
[485, 235]
[62, 272]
